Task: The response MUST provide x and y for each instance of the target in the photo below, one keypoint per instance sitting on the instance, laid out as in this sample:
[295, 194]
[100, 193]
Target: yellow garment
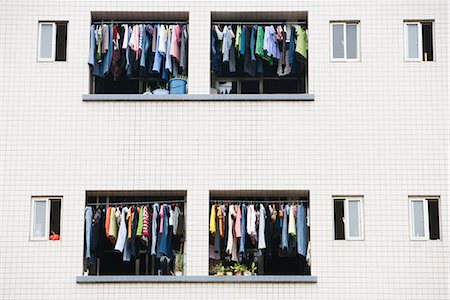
[112, 231]
[292, 229]
[212, 220]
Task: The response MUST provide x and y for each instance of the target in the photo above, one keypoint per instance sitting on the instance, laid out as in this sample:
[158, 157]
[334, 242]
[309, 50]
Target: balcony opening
[259, 233]
[259, 53]
[134, 232]
[138, 52]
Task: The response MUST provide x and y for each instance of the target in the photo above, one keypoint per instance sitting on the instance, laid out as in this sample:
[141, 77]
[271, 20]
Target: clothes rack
[253, 200]
[140, 22]
[163, 201]
[258, 23]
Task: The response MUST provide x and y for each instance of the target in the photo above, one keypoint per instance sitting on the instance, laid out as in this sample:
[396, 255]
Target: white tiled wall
[377, 128]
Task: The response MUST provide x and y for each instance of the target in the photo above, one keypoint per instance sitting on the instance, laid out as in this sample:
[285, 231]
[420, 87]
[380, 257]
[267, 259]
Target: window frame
[53, 56]
[346, 219]
[358, 41]
[419, 24]
[424, 201]
[47, 201]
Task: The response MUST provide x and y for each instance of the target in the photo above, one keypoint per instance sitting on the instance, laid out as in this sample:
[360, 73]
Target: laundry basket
[177, 86]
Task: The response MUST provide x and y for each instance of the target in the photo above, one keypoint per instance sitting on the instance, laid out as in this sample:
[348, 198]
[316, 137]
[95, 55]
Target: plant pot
[178, 273]
[220, 274]
[229, 273]
[238, 273]
[247, 273]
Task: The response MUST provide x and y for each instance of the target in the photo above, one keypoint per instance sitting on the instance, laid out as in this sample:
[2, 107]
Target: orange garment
[107, 220]
[221, 216]
[130, 221]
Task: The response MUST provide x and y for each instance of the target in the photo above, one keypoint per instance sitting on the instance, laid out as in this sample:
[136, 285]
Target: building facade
[369, 124]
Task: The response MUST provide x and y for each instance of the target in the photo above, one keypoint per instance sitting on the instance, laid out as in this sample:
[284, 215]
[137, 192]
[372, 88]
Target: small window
[344, 41]
[419, 41]
[348, 218]
[424, 218]
[46, 218]
[52, 41]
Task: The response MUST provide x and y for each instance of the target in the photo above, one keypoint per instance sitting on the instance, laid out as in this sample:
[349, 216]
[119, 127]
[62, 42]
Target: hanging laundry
[301, 42]
[262, 228]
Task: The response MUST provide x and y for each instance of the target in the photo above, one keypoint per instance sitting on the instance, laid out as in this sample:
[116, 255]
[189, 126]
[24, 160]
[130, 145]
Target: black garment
[216, 60]
[134, 243]
[217, 237]
[249, 64]
[98, 233]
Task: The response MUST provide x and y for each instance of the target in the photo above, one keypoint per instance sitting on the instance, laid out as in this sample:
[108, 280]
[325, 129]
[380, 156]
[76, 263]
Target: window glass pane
[339, 231]
[40, 208]
[413, 40]
[353, 211]
[352, 40]
[418, 219]
[433, 217]
[46, 41]
[427, 41]
[338, 41]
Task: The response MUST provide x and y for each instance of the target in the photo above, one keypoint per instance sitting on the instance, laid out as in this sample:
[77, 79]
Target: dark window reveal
[433, 218]
[339, 228]
[61, 41]
[427, 41]
[55, 216]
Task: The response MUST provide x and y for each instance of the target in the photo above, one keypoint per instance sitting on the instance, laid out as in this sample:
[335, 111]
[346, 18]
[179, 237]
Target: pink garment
[237, 225]
[134, 39]
[279, 33]
[175, 43]
[105, 34]
[161, 218]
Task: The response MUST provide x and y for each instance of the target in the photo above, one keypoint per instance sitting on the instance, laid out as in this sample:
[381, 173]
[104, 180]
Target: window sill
[196, 279]
[196, 97]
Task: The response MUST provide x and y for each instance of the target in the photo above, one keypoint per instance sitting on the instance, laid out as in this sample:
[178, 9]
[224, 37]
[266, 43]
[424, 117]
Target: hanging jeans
[88, 223]
[302, 241]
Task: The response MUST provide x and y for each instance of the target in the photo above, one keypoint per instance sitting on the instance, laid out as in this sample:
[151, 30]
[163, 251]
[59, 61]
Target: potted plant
[253, 268]
[218, 270]
[247, 272]
[228, 271]
[179, 264]
[239, 269]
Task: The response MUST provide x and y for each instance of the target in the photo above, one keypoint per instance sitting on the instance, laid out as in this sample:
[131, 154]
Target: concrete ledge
[196, 279]
[202, 97]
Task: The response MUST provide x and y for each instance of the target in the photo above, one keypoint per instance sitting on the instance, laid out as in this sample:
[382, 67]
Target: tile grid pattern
[378, 127]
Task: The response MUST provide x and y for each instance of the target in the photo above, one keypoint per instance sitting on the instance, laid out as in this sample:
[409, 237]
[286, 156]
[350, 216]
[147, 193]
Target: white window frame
[358, 43]
[47, 201]
[419, 40]
[424, 201]
[346, 216]
[52, 58]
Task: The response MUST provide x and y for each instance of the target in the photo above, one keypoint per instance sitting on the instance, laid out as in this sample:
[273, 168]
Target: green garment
[237, 43]
[99, 43]
[140, 222]
[259, 49]
[301, 46]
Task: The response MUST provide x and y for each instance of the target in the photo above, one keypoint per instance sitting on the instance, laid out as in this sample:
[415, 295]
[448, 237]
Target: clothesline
[141, 22]
[258, 23]
[162, 201]
[278, 200]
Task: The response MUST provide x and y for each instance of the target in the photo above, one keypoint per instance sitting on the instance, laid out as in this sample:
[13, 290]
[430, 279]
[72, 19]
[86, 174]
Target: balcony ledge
[196, 97]
[196, 279]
